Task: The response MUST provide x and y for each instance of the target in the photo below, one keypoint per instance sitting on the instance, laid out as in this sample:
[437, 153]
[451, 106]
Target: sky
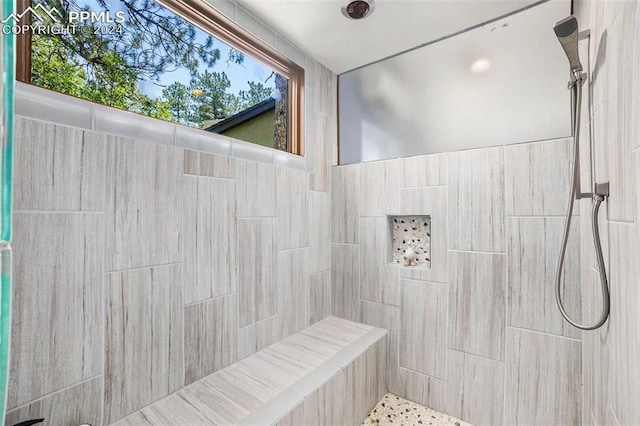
[239, 75]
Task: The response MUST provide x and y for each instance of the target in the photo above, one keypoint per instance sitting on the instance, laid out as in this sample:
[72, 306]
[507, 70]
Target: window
[173, 60]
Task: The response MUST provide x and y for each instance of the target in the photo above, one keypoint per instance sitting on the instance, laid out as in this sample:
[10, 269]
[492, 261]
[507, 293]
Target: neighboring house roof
[242, 116]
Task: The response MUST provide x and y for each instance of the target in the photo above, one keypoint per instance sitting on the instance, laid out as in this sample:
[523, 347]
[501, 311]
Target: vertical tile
[56, 338]
[538, 177]
[316, 408]
[378, 278]
[79, 404]
[319, 296]
[57, 167]
[310, 71]
[204, 164]
[587, 252]
[210, 235]
[432, 202]
[295, 417]
[310, 115]
[423, 327]
[475, 388]
[410, 385]
[372, 189]
[534, 248]
[387, 317]
[310, 153]
[144, 346]
[325, 89]
[636, 94]
[366, 389]
[543, 384]
[143, 204]
[325, 138]
[345, 281]
[618, 140]
[380, 363]
[319, 231]
[256, 189]
[259, 335]
[210, 336]
[420, 388]
[256, 269]
[424, 170]
[477, 303]
[600, 371]
[345, 211]
[435, 393]
[291, 189]
[336, 406]
[624, 343]
[293, 290]
[393, 183]
[476, 199]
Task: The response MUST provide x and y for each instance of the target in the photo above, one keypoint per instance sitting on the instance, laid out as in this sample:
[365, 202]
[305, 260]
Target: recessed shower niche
[410, 241]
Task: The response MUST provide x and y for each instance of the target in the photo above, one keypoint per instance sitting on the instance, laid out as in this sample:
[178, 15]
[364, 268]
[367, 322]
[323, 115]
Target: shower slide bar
[567, 32]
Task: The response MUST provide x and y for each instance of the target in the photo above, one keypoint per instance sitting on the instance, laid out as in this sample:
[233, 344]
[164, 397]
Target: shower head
[567, 33]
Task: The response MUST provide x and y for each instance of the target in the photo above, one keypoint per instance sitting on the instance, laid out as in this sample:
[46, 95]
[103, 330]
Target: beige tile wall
[140, 267]
[458, 331]
[611, 355]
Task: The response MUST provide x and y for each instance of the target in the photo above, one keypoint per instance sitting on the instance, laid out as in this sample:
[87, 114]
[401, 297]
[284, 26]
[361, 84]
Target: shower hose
[598, 198]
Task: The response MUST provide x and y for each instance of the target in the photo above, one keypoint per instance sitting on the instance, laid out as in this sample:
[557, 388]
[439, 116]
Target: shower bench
[331, 373]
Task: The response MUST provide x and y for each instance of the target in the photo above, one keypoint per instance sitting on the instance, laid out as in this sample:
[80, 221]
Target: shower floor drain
[394, 410]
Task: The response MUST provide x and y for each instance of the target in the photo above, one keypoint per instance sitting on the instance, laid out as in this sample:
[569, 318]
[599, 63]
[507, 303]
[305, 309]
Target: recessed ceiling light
[358, 9]
[481, 65]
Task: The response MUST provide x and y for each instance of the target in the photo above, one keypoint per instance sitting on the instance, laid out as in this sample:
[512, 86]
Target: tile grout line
[497, 253]
[75, 212]
[214, 178]
[447, 283]
[573, 339]
[105, 198]
[486, 358]
[50, 394]
[506, 287]
[138, 268]
[183, 274]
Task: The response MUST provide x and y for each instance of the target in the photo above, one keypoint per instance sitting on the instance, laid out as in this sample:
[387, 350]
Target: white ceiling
[319, 28]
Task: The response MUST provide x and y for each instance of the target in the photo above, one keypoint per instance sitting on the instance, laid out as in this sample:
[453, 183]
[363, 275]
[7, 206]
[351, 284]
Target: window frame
[224, 29]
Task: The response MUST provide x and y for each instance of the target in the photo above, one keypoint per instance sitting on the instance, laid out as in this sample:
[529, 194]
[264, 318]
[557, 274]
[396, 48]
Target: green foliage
[51, 67]
[108, 67]
[212, 98]
[177, 98]
[257, 93]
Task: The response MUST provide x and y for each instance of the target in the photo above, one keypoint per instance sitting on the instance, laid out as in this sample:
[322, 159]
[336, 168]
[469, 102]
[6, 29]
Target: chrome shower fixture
[567, 32]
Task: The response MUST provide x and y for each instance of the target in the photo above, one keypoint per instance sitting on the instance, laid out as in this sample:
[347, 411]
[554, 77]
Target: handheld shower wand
[567, 32]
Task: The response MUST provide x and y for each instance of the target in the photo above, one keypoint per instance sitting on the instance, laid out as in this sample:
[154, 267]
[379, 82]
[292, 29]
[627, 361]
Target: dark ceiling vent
[358, 9]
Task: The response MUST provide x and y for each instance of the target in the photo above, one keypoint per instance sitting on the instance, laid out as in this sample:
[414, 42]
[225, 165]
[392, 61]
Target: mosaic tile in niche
[411, 232]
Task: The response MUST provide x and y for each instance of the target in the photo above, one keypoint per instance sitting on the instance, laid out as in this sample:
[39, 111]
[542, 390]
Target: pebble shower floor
[394, 410]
